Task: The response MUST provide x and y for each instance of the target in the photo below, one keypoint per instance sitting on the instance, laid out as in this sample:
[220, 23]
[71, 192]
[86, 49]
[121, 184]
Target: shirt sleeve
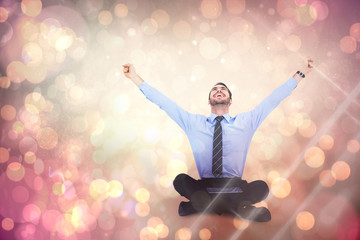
[176, 113]
[261, 111]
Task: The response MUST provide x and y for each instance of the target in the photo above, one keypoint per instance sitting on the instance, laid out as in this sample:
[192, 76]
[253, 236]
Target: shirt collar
[213, 116]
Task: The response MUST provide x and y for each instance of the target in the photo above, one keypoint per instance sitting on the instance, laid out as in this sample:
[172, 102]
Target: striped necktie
[217, 148]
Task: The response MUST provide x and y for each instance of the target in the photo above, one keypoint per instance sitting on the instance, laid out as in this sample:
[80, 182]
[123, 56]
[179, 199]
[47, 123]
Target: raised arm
[261, 111]
[179, 115]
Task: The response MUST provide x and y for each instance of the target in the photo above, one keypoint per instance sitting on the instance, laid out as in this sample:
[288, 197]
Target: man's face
[219, 94]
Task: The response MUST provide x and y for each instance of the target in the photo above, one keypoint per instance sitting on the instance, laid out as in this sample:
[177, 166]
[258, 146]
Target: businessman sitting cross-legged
[220, 144]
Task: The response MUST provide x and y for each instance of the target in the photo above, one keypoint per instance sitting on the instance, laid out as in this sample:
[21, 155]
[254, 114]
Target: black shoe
[260, 214]
[186, 208]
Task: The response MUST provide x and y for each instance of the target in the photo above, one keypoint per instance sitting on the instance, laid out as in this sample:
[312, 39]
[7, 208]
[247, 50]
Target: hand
[310, 65]
[129, 71]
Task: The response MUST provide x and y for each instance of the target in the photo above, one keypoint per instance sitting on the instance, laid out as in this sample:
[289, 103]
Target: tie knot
[219, 118]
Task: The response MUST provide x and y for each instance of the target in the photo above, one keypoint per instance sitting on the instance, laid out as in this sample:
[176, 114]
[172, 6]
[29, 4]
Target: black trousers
[197, 191]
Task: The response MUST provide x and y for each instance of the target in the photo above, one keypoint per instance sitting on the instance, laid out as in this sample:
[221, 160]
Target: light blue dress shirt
[237, 131]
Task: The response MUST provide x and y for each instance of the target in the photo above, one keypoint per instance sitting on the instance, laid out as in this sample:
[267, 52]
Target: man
[220, 144]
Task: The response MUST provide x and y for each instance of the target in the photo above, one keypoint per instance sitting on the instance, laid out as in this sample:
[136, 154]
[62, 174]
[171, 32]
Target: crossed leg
[224, 203]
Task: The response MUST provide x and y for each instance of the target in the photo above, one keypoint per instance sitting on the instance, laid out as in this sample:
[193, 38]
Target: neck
[220, 109]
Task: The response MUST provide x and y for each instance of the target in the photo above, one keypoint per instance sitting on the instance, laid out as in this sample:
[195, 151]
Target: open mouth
[218, 95]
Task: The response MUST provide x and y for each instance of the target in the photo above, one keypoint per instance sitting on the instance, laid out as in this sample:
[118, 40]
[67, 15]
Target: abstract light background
[84, 155]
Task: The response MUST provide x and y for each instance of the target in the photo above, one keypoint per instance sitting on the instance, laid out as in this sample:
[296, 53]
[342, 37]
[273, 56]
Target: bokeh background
[84, 155]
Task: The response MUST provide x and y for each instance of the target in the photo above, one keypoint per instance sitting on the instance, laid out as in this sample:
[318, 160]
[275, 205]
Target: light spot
[348, 44]
[15, 171]
[305, 221]
[314, 157]
[355, 31]
[161, 17]
[211, 8]
[7, 224]
[31, 8]
[8, 112]
[235, 6]
[341, 170]
[326, 142]
[183, 234]
[280, 187]
[105, 17]
[205, 234]
[327, 178]
[4, 155]
[142, 195]
[47, 138]
[353, 146]
[121, 10]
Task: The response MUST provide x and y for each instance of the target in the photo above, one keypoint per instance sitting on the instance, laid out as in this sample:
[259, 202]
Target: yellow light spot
[105, 18]
[15, 171]
[148, 233]
[280, 187]
[4, 155]
[327, 178]
[116, 189]
[305, 221]
[305, 14]
[341, 170]
[18, 127]
[162, 230]
[33, 52]
[314, 157]
[30, 157]
[99, 189]
[121, 10]
[142, 209]
[353, 146]
[142, 195]
[58, 188]
[7, 224]
[205, 234]
[183, 234]
[211, 8]
[47, 138]
[326, 142]
[161, 17]
[65, 40]
[16, 71]
[273, 175]
[31, 8]
[8, 112]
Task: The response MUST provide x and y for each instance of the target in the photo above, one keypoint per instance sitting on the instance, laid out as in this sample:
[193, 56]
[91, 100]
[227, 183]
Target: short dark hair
[223, 84]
